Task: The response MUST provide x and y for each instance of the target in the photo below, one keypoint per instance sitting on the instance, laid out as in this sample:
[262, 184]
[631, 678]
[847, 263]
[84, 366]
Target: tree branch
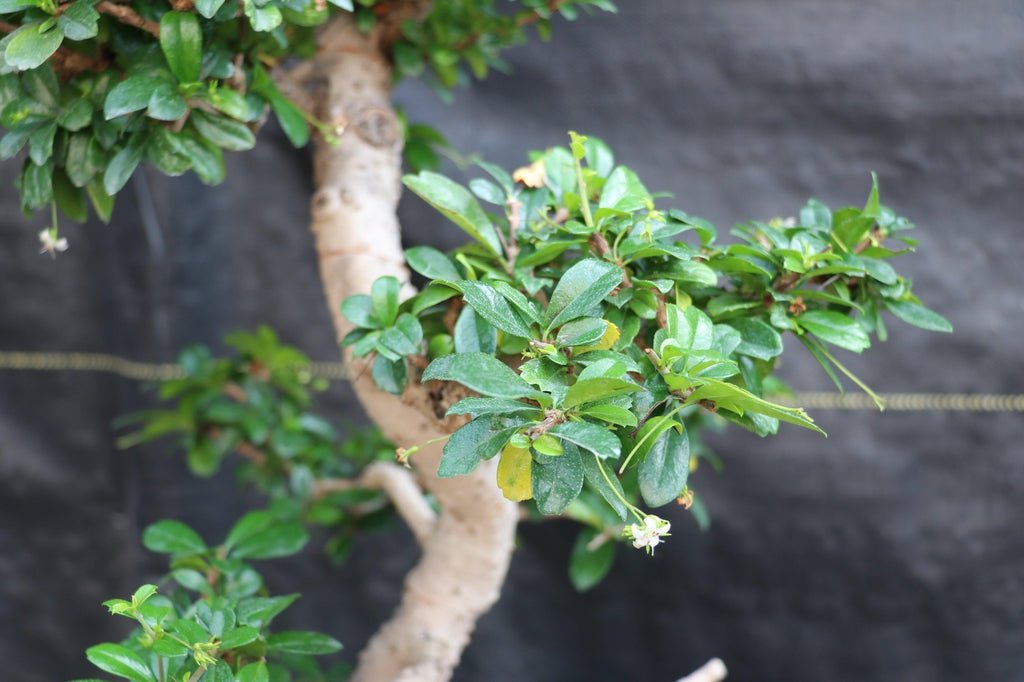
[126, 15]
[399, 485]
[466, 557]
[712, 671]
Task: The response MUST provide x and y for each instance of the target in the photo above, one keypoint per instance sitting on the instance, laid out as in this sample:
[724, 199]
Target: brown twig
[126, 15]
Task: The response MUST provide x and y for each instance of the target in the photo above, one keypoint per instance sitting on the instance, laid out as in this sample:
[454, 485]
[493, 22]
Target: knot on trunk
[377, 126]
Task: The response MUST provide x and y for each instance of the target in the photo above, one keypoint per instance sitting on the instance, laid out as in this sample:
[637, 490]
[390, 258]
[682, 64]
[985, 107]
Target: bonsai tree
[561, 363]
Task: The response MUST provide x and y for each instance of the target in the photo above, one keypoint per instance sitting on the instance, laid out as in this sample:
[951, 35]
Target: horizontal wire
[335, 371]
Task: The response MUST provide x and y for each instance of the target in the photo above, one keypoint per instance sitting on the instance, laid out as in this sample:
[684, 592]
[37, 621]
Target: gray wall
[892, 550]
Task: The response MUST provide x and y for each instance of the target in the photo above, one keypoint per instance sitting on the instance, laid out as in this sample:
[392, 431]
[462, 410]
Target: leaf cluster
[594, 327]
[258, 402]
[93, 88]
[211, 618]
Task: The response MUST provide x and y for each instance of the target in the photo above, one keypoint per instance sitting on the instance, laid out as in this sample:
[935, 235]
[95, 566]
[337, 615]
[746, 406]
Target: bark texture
[467, 550]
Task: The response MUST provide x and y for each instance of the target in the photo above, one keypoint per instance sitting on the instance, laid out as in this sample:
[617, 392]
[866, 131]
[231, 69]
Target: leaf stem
[647, 435]
[636, 512]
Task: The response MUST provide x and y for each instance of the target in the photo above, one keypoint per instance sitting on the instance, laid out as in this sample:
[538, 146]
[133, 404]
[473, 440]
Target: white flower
[789, 222]
[51, 245]
[648, 535]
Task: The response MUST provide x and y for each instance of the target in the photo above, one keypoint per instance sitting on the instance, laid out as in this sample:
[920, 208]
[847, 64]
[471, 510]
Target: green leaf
[158, 97]
[835, 328]
[181, 40]
[582, 287]
[600, 441]
[623, 191]
[663, 471]
[208, 8]
[478, 440]
[32, 44]
[581, 332]
[490, 304]
[262, 17]
[473, 334]
[557, 481]
[172, 537]
[254, 672]
[588, 567]
[478, 407]
[873, 208]
[121, 661]
[123, 164]
[299, 642]
[384, 296]
[546, 444]
[480, 372]
[613, 414]
[431, 263]
[735, 399]
[358, 309]
[278, 540]
[759, 340]
[605, 482]
[251, 524]
[207, 160]
[70, 199]
[79, 21]
[76, 115]
[457, 204]
[259, 611]
[601, 388]
[238, 637]
[41, 86]
[919, 316]
[223, 132]
[390, 375]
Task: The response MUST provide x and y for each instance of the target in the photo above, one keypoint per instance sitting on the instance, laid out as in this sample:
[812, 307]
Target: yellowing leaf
[514, 473]
[607, 340]
[532, 175]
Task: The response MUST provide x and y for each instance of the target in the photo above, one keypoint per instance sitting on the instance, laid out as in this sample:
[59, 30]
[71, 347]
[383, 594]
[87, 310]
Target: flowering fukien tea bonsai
[562, 362]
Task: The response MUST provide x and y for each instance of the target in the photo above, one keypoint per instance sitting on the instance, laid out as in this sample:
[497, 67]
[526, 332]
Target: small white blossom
[789, 222]
[649, 534]
[52, 245]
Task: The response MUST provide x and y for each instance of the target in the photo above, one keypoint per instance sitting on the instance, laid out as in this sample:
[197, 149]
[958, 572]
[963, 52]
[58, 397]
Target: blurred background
[893, 550]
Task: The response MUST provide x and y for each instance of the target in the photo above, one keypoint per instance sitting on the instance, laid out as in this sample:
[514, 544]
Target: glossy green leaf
[663, 471]
[181, 40]
[478, 440]
[172, 537]
[32, 44]
[278, 540]
[919, 316]
[253, 672]
[121, 661]
[474, 334]
[431, 263]
[79, 21]
[489, 304]
[298, 642]
[223, 132]
[587, 567]
[758, 339]
[602, 388]
[580, 289]
[457, 204]
[557, 481]
[835, 328]
[592, 437]
[480, 372]
[384, 297]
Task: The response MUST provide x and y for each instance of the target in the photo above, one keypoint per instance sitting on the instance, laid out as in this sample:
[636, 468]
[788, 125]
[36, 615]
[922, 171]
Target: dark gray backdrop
[890, 551]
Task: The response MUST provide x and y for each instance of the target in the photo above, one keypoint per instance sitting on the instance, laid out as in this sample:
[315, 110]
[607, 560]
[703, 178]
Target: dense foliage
[212, 620]
[92, 88]
[593, 336]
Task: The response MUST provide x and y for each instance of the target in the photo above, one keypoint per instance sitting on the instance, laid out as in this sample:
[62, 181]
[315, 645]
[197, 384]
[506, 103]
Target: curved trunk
[467, 552]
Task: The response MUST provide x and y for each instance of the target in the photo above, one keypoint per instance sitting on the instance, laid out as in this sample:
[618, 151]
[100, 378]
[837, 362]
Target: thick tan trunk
[467, 550]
